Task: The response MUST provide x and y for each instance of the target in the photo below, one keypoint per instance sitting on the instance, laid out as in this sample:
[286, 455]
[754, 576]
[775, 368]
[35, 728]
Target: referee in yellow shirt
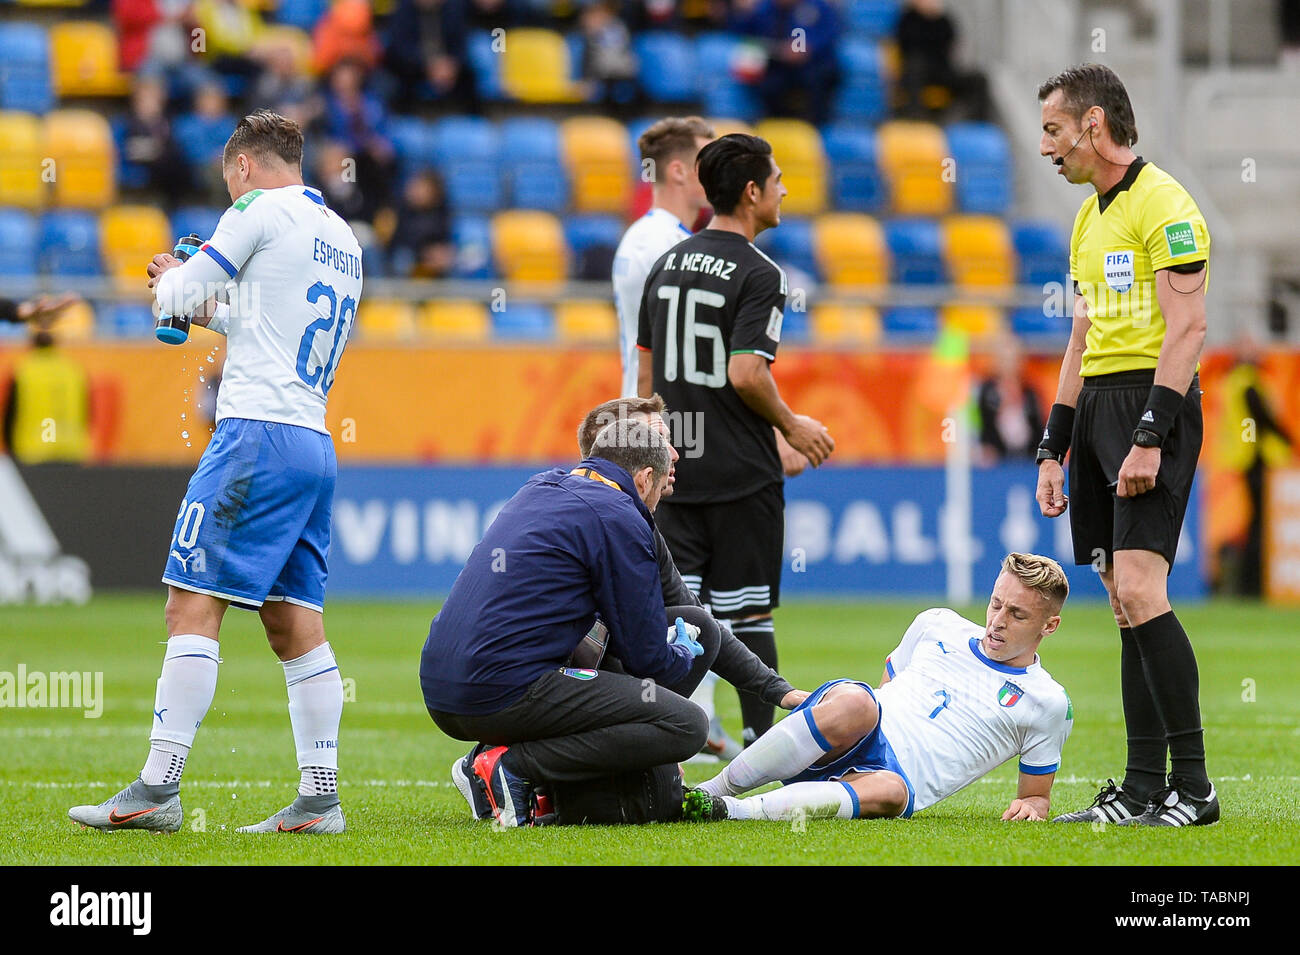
[1129, 405]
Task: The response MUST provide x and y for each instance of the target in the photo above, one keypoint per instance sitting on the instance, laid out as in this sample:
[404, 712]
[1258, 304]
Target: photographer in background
[47, 402]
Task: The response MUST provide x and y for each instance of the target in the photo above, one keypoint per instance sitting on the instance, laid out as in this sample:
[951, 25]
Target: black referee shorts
[731, 551]
[1100, 521]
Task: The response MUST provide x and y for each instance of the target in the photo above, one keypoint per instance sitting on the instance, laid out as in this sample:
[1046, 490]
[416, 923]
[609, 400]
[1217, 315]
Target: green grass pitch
[402, 808]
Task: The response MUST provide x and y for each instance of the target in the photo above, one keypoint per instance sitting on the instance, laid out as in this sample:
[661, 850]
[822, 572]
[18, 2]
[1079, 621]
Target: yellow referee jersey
[1144, 223]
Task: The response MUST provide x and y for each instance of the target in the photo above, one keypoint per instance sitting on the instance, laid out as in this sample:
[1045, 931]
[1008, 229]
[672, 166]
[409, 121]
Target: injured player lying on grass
[956, 700]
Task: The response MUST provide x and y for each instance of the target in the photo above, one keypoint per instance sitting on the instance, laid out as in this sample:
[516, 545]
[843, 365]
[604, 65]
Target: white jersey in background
[645, 240]
[952, 715]
[292, 270]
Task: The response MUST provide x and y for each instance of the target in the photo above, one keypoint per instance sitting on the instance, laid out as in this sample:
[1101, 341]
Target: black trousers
[567, 728]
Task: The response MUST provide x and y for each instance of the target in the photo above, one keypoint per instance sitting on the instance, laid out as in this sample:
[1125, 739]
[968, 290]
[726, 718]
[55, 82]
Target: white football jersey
[952, 715]
[644, 241]
[292, 274]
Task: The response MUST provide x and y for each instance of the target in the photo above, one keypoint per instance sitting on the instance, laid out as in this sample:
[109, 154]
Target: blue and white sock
[787, 749]
[184, 694]
[315, 708]
[798, 801]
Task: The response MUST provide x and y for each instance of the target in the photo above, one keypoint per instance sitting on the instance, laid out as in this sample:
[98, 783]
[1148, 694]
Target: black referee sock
[1175, 684]
[760, 637]
[1147, 749]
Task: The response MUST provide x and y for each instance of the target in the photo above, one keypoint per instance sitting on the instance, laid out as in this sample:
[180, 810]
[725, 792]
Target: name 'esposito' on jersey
[712, 296]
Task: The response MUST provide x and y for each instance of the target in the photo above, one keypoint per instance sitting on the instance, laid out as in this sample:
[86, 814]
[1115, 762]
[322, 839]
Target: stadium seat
[911, 322]
[856, 183]
[797, 147]
[485, 59]
[667, 69]
[593, 240]
[202, 138]
[84, 59]
[454, 320]
[977, 321]
[581, 321]
[916, 250]
[531, 161]
[863, 92]
[523, 321]
[467, 152]
[21, 166]
[795, 326]
[596, 157]
[978, 253]
[25, 79]
[472, 236]
[1031, 322]
[791, 245]
[19, 246]
[385, 319]
[70, 244]
[851, 250]
[1043, 251]
[536, 67]
[130, 236]
[912, 158]
[300, 13]
[199, 220]
[81, 145]
[873, 18]
[984, 167]
[528, 246]
[836, 324]
[719, 90]
[125, 320]
[414, 142]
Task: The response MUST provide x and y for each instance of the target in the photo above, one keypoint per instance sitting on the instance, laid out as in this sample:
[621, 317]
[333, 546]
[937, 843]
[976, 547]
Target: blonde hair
[1041, 575]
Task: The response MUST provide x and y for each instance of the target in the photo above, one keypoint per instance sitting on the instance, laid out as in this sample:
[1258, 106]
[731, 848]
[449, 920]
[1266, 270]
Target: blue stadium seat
[523, 321]
[875, 19]
[856, 183]
[910, 322]
[795, 326]
[487, 65]
[592, 239]
[531, 161]
[414, 142]
[300, 13]
[19, 245]
[466, 150]
[667, 67]
[125, 320]
[916, 248]
[634, 130]
[1030, 322]
[200, 220]
[25, 78]
[984, 167]
[202, 138]
[472, 236]
[1043, 252]
[863, 93]
[722, 94]
[130, 175]
[791, 245]
[70, 243]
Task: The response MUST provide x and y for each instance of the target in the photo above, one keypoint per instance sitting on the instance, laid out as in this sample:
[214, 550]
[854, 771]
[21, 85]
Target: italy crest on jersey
[1010, 694]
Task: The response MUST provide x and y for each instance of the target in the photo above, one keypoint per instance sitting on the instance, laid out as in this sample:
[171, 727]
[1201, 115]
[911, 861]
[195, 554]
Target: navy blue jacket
[564, 547]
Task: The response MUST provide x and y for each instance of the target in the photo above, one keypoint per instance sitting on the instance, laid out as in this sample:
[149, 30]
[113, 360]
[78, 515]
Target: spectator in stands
[608, 64]
[799, 38]
[345, 32]
[283, 86]
[151, 33]
[930, 81]
[334, 167]
[1010, 414]
[203, 135]
[150, 153]
[490, 14]
[230, 29]
[355, 118]
[428, 55]
[421, 246]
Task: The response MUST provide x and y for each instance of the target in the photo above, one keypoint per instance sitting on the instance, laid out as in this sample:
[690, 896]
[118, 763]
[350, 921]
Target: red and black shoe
[510, 796]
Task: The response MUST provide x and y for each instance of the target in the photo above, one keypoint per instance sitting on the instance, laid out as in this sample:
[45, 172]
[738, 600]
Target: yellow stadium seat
[83, 60]
[797, 148]
[21, 161]
[597, 156]
[130, 236]
[912, 157]
[52, 3]
[586, 322]
[536, 67]
[76, 323]
[81, 145]
[385, 319]
[834, 323]
[725, 125]
[528, 246]
[455, 320]
[977, 321]
[851, 249]
[978, 251]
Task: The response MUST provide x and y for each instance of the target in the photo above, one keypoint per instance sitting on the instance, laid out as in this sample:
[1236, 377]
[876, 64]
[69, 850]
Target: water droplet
[185, 434]
[201, 378]
[188, 445]
[182, 415]
[234, 795]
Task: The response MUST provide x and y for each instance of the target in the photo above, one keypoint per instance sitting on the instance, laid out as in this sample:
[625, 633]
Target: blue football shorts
[255, 522]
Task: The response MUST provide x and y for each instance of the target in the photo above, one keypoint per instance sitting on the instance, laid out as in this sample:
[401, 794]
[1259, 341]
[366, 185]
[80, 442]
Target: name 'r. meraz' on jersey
[700, 262]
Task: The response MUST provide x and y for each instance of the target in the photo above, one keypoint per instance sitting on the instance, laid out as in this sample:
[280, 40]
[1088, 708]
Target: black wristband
[1056, 436]
[1162, 407]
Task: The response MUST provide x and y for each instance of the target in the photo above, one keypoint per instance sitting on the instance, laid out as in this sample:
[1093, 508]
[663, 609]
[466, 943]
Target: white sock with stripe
[183, 696]
[787, 749]
[799, 801]
[315, 708]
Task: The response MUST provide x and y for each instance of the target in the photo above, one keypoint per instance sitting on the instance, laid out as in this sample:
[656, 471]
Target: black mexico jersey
[713, 296]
